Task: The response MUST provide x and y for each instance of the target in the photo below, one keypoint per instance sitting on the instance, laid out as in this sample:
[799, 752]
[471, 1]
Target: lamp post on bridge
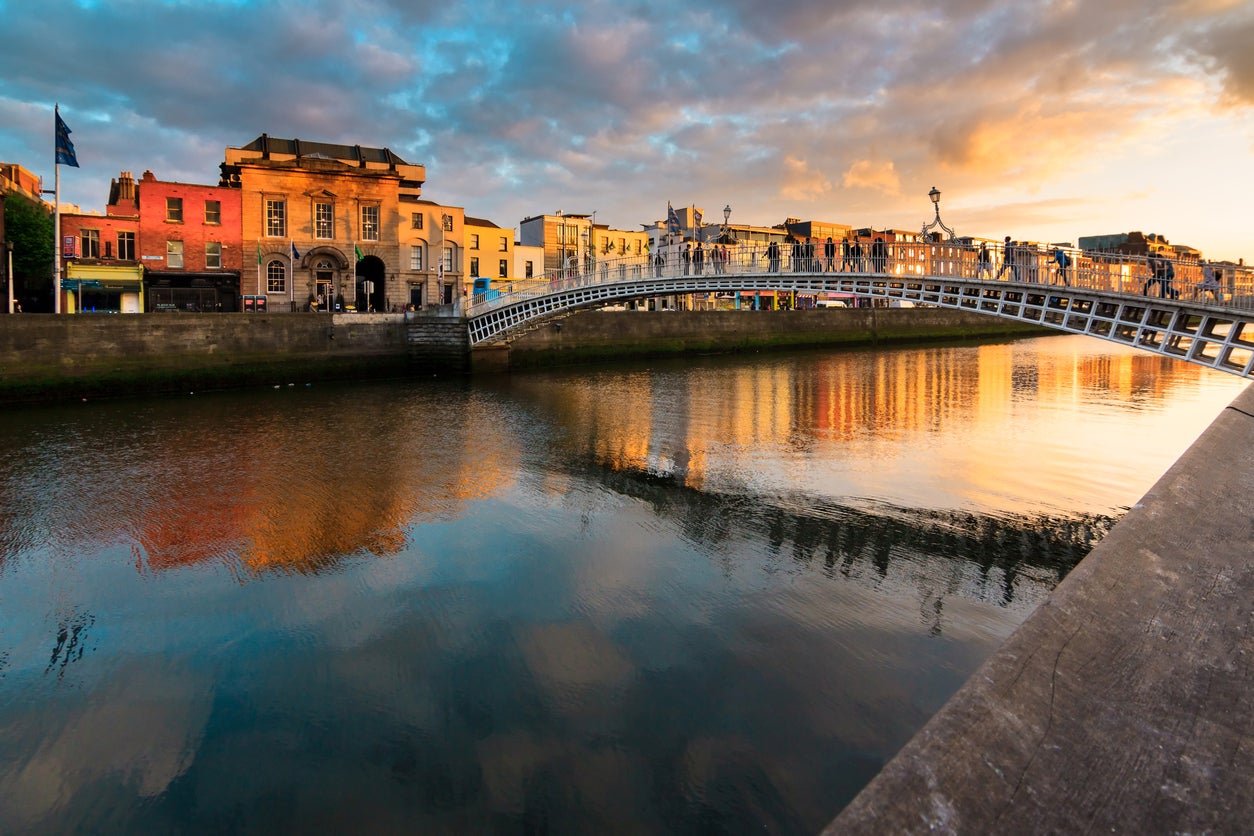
[935, 194]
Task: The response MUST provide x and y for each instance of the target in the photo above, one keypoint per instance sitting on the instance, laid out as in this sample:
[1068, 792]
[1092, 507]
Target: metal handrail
[1024, 264]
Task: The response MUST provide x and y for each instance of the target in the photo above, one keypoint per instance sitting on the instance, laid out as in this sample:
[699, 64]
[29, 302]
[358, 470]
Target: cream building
[325, 220]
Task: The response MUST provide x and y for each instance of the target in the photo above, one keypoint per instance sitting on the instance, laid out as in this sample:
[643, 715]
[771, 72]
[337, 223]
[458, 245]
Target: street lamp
[935, 194]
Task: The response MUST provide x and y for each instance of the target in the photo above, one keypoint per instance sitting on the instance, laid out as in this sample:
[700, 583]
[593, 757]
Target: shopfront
[98, 288]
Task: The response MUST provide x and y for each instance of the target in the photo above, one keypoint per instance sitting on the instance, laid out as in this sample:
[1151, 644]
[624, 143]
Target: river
[706, 594]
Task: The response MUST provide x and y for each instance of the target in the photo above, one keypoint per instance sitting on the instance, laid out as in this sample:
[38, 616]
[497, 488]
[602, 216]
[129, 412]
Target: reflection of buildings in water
[274, 492]
[874, 399]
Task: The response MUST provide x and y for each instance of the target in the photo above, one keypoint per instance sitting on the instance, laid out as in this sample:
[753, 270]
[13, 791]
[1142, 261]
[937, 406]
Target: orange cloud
[865, 174]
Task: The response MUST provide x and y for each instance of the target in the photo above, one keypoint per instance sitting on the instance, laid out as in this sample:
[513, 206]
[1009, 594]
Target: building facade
[433, 254]
[190, 242]
[100, 266]
[324, 221]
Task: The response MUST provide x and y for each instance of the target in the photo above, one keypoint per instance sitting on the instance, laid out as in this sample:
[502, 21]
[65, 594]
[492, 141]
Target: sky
[1044, 121]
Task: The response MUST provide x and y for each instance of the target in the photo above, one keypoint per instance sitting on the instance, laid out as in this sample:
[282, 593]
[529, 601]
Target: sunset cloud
[836, 111]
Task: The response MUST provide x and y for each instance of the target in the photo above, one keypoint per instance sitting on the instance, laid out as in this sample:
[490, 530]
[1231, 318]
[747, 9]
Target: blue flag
[65, 148]
[295, 254]
[672, 220]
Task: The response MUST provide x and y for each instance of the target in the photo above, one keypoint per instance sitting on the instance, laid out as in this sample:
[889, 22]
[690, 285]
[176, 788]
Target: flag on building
[696, 217]
[357, 250]
[258, 255]
[672, 220]
[295, 253]
[65, 148]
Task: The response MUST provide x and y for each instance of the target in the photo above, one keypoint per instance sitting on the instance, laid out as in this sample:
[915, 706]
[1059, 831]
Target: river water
[698, 595]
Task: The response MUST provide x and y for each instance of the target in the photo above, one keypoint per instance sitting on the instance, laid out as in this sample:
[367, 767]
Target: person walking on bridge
[829, 256]
[985, 269]
[1063, 261]
[772, 256]
[846, 254]
[1210, 284]
[1009, 261]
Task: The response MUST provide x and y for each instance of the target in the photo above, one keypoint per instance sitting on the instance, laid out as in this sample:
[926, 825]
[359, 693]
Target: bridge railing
[899, 261]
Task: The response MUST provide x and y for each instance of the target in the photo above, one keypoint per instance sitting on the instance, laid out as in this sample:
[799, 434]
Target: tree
[28, 226]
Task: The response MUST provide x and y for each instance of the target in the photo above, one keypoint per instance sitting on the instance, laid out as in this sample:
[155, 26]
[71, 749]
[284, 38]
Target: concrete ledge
[1125, 703]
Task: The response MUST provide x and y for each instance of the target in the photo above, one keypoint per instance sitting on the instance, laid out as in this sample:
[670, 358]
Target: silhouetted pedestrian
[1009, 260]
[985, 269]
[1210, 284]
[1063, 261]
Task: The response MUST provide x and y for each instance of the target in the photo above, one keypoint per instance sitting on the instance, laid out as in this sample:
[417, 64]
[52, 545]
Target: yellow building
[324, 221]
[489, 251]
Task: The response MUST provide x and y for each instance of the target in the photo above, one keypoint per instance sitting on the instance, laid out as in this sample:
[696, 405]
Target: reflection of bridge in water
[1098, 294]
[990, 558]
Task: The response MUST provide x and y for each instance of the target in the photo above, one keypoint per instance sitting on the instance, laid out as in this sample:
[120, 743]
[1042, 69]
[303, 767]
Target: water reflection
[703, 595]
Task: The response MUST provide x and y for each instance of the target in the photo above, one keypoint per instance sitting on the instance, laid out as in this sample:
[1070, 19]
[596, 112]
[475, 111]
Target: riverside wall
[48, 357]
[1123, 703]
[596, 335]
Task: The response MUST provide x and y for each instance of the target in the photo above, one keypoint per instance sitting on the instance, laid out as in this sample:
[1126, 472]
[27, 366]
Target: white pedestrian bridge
[1130, 300]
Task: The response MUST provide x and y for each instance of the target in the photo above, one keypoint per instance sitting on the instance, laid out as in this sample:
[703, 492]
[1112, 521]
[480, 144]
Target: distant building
[565, 239]
[1138, 244]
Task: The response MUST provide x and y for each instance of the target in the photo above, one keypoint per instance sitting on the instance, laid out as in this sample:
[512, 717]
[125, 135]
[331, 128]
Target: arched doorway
[371, 293]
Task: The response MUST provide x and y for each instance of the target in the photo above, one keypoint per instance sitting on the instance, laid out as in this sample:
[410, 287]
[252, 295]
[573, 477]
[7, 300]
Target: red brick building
[99, 262]
[189, 242]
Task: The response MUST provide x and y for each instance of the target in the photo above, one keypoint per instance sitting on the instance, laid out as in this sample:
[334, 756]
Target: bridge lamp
[934, 195]
[726, 219]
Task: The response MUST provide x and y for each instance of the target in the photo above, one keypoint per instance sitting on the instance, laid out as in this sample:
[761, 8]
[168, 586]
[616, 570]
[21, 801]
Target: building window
[447, 223]
[370, 223]
[415, 258]
[174, 254]
[474, 268]
[213, 255]
[213, 212]
[126, 246]
[91, 243]
[503, 268]
[415, 220]
[324, 220]
[504, 244]
[276, 277]
[174, 209]
[474, 241]
[527, 270]
[276, 218]
[448, 259]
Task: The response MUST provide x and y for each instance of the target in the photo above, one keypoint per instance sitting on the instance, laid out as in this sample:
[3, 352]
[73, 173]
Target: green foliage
[28, 225]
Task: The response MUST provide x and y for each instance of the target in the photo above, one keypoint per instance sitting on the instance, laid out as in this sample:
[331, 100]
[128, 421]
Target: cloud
[621, 106]
[879, 176]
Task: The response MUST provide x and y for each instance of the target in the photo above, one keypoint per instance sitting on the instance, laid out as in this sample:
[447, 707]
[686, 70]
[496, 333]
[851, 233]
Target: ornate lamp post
[726, 234]
[935, 194]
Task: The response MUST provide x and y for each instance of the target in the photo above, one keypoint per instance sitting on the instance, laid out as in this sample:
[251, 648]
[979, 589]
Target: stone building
[324, 221]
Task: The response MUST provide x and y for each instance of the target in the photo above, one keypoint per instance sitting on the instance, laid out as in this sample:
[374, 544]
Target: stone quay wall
[50, 357]
[1123, 703]
[594, 335]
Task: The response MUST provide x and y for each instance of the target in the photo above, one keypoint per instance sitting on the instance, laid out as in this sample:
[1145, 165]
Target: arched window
[276, 277]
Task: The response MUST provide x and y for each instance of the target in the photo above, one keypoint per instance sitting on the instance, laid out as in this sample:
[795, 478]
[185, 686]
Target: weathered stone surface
[1125, 703]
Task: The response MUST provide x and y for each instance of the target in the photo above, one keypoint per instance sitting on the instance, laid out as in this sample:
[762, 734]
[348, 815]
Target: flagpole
[56, 221]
